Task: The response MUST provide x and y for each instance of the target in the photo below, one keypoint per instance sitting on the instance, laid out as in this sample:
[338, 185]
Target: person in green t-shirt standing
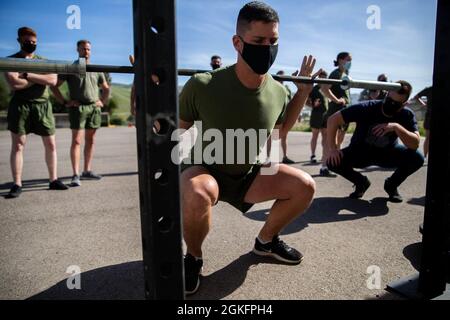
[226, 103]
[283, 139]
[339, 98]
[428, 93]
[216, 62]
[30, 111]
[319, 105]
[84, 112]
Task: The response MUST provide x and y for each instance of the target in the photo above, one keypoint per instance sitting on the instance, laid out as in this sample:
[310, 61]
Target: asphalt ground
[96, 227]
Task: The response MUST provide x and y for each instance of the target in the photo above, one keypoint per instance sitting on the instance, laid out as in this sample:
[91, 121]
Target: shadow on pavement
[42, 184]
[118, 282]
[327, 209]
[413, 253]
[126, 282]
[417, 201]
[225, 281]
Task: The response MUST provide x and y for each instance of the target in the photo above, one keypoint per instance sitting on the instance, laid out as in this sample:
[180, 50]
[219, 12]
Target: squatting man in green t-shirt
[30, 111]
[243, 96]
[84, 112]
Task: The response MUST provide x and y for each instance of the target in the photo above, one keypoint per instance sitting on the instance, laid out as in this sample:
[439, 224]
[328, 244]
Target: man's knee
[90, 141]
[199, 195]
[305, 184]
[90, 137]
[416, 159]
[76, 141]
[50, 145]
[18, 146]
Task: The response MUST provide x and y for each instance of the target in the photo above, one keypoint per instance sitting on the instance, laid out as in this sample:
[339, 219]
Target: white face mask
[348, 65]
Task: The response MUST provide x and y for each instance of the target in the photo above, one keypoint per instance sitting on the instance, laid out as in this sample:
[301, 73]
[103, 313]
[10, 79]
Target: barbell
[80, 68]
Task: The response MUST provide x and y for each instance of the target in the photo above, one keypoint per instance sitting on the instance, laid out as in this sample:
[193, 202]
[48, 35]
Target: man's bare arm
[57, 93]
[15, 82]
[43, 79]
[326, 90]
[105, 93]
[333, 124]
[410, 139]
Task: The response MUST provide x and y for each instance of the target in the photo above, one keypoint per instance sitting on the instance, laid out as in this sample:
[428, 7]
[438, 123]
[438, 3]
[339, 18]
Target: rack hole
[165, 224]
[157, 25]
[161, 176]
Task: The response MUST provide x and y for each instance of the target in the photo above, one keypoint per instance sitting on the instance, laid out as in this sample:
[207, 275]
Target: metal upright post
[435, 268]
[157, 101]
[435, 265]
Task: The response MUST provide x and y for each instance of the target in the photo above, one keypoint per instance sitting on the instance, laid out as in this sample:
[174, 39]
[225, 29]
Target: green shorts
[30, 117]
[85, 117]
[231, 189]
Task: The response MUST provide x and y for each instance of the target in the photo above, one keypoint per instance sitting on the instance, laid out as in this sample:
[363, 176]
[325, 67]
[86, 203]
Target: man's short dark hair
[82, 42]
[324, 74]
[215, 57]
[255, 11]
[382, 77]
[26, 31]
[406, 89]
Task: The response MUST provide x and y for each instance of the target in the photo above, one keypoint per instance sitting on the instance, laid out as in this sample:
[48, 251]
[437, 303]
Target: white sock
[263, 242]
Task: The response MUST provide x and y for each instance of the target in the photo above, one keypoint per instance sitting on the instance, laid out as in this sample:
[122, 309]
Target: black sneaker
[57, 185]
[313, 159]
[286, 160]
[279, 250]
[192, 271]
[75, 181]
[15, 192]
[325, 172]
[392, 191]
[89, 175]
[360, 189]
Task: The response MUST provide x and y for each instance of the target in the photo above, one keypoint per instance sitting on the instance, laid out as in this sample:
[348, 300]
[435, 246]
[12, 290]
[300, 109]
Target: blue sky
[403, 47]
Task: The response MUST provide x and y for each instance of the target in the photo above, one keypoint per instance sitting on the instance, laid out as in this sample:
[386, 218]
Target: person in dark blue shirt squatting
[380, 124]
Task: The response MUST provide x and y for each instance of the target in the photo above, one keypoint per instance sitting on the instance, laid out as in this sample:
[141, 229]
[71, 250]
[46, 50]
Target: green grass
[121, 94]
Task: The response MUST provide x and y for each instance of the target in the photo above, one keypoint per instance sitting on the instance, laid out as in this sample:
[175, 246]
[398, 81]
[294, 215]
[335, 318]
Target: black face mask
[259, 57]
[215, 66]
[28, 47]
[391, 107]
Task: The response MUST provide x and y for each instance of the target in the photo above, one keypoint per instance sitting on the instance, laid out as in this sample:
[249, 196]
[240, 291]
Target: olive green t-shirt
[37, 93]
[336, 89]
[84, 89]
[289, 92]
[220, 101]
